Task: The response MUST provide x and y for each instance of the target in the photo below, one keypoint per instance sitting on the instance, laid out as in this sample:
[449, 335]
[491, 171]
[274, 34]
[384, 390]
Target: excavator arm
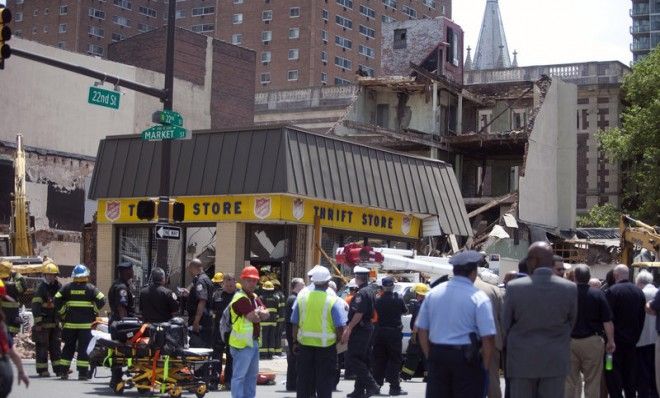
[636, 235]
[20, 234]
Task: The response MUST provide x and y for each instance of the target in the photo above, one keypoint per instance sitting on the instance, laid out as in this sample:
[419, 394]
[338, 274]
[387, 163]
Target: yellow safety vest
[315, 330]
[241, 328]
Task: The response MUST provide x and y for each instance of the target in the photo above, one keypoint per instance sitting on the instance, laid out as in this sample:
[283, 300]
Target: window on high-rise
[267, 15]
[345, 3]
[199, 11]
[294, 54]
[294, 33]
[64, 10]
[125, 4]
[366, 51]
[324, 14]
[203, 28]
[400, 40]
[266, 57]
[367, 12]
[341, 82]
[266, 36]
[98, 14]
[294, 12]
[96, 31]
[368, 32]
[292, 75]
[121, 21]
[237, 19]
[265, 78]
[324, 36]
[94, 49]
[343, 63]
[236, 38]
[62, 28]
[345, 23]
[117, 37]
[411, 12]
[343, 42]
[367, 70]
[149, 12]
[387, 19]
[390, 3]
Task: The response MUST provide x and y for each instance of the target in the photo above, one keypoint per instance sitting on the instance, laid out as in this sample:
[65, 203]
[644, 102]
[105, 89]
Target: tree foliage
[636, 144]
[605, 216]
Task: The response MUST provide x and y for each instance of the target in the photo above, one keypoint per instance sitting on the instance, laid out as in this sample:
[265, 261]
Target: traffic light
[5, 35]
[178, 211]
[146, 209]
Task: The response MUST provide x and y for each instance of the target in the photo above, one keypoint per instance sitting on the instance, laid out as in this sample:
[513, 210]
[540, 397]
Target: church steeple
[492, 51]
[468, 60]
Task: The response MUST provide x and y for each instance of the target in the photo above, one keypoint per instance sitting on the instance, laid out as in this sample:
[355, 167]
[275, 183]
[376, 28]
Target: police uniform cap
[466, 258]
[125, 265]
[360, 270]
[388, 281]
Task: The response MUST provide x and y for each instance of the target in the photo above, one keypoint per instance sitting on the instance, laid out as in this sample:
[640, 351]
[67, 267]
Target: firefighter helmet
[80, 271]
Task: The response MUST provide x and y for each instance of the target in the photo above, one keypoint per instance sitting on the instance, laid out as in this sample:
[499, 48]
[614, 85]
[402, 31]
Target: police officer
[157, 302]
[15, 286]
[358, 336]
[46, 332]
[78, 304]
[198, 306]
[454, 321]
[221, 299]
[414, 354]
[318, 320]
[269, 327]
[388, 337]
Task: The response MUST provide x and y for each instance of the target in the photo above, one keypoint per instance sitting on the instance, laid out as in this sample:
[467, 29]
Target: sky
[555, 31]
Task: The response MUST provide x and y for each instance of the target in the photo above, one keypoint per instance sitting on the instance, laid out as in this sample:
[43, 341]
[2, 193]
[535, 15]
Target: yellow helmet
[238, 286]
[218, 277]
[5, 269]
[51, 268]
[276, 282]
[268, 285]
[421, 289]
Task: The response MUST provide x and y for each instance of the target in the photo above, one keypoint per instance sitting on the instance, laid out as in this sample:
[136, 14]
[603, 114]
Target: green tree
[636, 144]
[605, 216]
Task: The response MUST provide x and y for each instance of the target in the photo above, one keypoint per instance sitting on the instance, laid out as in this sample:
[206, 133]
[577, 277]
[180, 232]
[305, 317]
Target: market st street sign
[159, 133]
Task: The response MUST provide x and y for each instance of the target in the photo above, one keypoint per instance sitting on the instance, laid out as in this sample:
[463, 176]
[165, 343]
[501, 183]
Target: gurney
[151, 361]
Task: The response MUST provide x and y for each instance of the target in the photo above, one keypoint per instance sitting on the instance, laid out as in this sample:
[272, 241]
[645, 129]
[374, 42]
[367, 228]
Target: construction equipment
[640, 246]
[17, 248]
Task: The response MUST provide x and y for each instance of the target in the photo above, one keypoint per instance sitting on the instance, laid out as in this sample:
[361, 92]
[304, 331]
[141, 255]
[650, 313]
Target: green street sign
[169, 117]
[159, 133]
[102, 97]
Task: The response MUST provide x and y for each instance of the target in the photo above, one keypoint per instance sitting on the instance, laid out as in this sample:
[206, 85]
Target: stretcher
[152, 370]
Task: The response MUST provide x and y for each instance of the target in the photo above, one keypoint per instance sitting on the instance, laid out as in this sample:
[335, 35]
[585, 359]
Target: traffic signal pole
[166, 145]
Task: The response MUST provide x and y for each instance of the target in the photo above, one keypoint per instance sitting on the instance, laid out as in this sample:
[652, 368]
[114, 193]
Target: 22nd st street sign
[102, 97]
[158, 133]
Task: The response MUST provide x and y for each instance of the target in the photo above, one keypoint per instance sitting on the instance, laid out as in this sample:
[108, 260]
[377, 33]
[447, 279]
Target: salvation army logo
[262, 207]
[405, 224]
[298, 209]
[112, 210]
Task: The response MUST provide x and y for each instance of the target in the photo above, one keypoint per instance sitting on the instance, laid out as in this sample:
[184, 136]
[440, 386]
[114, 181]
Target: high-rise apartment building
[299, 43]
[645, 29]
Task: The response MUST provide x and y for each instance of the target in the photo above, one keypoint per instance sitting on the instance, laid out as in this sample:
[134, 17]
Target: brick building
[298, 43]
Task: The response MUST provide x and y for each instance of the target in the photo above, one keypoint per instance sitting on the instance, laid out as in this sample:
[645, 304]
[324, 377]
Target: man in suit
[537, 319]
[627, 302]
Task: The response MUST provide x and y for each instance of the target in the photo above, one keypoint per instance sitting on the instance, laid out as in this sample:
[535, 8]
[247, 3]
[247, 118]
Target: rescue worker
[247, 311]
[157, 302]
[198, 306]
[414, 354]
[318, 321]
[220, 301]
[7, 352]
[216, 368]
[14, 286]
[122, 305]
[358, 336]
[78, 304]
[269, 327]
[46, 332]
[279, 328]
[291, 365]
[388, 337]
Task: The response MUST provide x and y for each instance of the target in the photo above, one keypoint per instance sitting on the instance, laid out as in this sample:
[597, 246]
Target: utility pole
[166, 145]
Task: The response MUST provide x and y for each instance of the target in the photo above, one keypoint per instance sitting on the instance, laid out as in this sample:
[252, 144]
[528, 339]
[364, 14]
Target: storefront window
[133, 246]
[200, 243]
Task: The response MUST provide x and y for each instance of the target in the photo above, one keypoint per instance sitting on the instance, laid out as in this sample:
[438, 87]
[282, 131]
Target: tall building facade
[645, 29]
[299, 43]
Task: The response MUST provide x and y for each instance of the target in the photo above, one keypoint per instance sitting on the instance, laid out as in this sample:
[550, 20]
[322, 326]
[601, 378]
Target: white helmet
[320, 275]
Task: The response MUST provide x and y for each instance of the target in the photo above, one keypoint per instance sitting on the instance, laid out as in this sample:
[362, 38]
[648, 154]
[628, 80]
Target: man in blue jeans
[247, 311]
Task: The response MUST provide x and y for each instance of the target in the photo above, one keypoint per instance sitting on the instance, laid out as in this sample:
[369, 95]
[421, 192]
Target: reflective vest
[241, 335]
[315, 330]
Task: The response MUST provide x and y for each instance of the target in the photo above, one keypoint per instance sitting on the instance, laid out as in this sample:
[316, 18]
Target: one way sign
[167, 232]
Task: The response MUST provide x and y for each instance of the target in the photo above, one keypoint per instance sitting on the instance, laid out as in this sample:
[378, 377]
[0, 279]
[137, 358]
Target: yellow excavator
[640, 246]
[17, 248]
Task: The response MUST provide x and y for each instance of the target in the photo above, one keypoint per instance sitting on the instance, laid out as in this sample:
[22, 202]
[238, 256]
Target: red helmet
[250, 272]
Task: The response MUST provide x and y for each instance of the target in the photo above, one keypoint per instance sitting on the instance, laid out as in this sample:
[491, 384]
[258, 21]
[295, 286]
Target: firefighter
[279, 328]
[269, 327]
[358, 335]
[46, 332]
[122, 305]
[78, 304]
[217, 346]
[414, 353]
[15, 286]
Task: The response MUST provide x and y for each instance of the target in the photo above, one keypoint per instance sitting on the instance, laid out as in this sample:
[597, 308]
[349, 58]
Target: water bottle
[608, 362]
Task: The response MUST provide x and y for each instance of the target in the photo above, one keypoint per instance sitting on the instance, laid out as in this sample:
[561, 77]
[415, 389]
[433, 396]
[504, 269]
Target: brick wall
[582, 170]
[232, 91]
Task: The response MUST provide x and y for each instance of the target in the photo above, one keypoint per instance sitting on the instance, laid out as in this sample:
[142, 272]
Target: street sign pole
[166, 145]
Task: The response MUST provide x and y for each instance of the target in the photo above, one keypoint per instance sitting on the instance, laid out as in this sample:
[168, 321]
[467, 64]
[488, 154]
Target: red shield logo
[298, 208]
[112, 210]
[262, 207]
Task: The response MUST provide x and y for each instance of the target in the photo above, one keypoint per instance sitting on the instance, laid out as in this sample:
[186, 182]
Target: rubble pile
[24, 346]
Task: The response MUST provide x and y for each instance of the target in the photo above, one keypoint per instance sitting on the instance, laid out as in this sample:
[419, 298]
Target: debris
[24, 346]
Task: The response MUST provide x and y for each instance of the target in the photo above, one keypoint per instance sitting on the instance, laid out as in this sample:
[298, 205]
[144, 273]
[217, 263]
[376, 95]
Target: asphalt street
[55, 388]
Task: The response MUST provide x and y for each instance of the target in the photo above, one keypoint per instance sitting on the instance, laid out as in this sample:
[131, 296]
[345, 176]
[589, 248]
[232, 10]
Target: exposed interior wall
[548, 187]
